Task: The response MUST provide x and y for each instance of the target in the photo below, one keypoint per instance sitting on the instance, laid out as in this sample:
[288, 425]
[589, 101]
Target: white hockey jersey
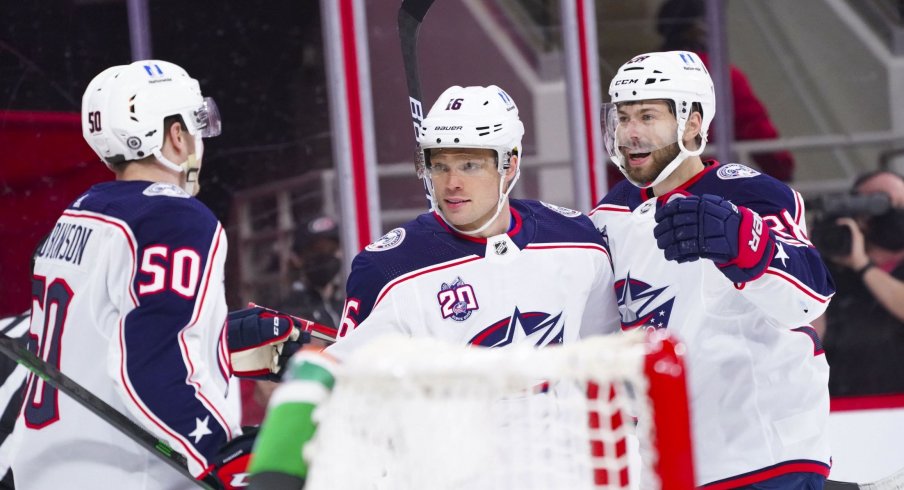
[546, 281]
[757, 374]
[129, 303]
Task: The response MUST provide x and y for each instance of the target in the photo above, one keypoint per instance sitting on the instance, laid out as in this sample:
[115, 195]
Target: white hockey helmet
[678, 76]
[473, 117]
[124, 106]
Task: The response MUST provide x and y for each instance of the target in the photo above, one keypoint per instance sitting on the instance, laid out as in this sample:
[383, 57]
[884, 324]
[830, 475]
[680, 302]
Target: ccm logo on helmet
[626, 82]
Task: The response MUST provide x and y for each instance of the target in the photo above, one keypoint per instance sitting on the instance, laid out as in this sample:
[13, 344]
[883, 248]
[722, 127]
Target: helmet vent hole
[439, 140]
[457, 140]
[140, 153]
[634, 92]
[483, 133]
[486, 102]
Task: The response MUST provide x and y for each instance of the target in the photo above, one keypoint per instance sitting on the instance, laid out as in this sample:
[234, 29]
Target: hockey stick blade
[13, 349]
[893, 482]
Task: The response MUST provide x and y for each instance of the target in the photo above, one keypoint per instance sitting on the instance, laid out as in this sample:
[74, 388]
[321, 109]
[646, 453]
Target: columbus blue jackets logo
[640, 305]
[161, 189]
[388, 241]
[536, 327]
[736, 171]
[569, 213]
[457, 300]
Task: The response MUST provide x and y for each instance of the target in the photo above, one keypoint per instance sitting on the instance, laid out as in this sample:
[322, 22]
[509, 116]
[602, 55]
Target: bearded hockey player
[718, 254]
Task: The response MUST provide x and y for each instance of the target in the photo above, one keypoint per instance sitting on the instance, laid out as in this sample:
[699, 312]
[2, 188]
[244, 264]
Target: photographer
[863, 328]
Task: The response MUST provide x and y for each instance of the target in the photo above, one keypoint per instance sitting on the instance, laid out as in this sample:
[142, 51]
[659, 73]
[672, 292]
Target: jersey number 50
[51, 303]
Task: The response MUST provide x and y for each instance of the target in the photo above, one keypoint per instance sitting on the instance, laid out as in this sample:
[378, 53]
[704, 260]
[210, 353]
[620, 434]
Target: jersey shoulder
[623, 194]
[152, 211]
[416, 245]
[557, 224]
[748, 187]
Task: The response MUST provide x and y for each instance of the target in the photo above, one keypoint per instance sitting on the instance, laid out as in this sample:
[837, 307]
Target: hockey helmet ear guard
[124, 107]
[676, 76]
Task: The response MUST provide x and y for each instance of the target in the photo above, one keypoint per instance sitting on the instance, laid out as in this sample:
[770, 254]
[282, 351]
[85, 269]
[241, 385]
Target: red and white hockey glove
[262, 340]
[734, 237]
[230, 466]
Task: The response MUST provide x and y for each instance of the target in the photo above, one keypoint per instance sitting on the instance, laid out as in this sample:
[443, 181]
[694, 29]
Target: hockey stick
[411, 15]
[893, 482]
[317, 330]
[50, 374]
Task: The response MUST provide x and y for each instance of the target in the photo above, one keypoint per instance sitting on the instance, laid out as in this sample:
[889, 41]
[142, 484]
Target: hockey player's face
[465, 185]
[647, 138]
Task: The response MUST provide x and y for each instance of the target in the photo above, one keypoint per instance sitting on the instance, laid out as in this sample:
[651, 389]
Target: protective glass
[207, 119]
[637, 129]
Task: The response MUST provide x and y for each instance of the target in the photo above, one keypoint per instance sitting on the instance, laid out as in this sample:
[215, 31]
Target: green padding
[309, 371]
[286, 430]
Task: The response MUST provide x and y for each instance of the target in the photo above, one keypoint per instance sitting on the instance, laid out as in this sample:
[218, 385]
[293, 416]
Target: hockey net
[417, 414]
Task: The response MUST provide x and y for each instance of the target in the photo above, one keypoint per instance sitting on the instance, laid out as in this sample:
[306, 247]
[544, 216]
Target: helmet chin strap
[191, 167]
[503, 195]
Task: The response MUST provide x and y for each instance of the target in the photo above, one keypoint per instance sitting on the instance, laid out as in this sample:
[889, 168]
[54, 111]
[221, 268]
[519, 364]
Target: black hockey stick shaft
[411, 15]
[13, 349]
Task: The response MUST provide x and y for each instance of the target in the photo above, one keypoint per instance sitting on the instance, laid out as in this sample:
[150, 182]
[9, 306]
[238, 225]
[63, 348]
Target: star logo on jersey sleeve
[201, 429]
[780, 254]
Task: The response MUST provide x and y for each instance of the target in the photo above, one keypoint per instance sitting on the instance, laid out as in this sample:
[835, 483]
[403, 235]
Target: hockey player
[479, 269]
[718, 254]
[128, 299]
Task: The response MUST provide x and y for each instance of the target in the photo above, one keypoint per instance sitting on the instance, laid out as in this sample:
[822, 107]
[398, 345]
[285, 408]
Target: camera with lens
[832, 239]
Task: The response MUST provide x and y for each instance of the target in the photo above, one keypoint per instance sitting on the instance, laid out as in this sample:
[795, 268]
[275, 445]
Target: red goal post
[417, 413]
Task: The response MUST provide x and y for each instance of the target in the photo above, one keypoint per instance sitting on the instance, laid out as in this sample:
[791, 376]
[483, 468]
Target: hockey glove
[693, 227]
[261, 341]
[230, 466]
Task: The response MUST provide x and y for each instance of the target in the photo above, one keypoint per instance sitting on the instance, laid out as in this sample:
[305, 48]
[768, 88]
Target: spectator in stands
[682, 25]
[316, 295]
[864, 324]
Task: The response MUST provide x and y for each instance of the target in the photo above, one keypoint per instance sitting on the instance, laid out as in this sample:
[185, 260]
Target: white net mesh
[417, 414]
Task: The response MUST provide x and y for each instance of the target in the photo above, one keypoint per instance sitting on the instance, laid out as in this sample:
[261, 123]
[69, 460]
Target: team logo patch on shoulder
[387, 241]
[161, 189]
[736, 171]
[457, 300]
[570, 213]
